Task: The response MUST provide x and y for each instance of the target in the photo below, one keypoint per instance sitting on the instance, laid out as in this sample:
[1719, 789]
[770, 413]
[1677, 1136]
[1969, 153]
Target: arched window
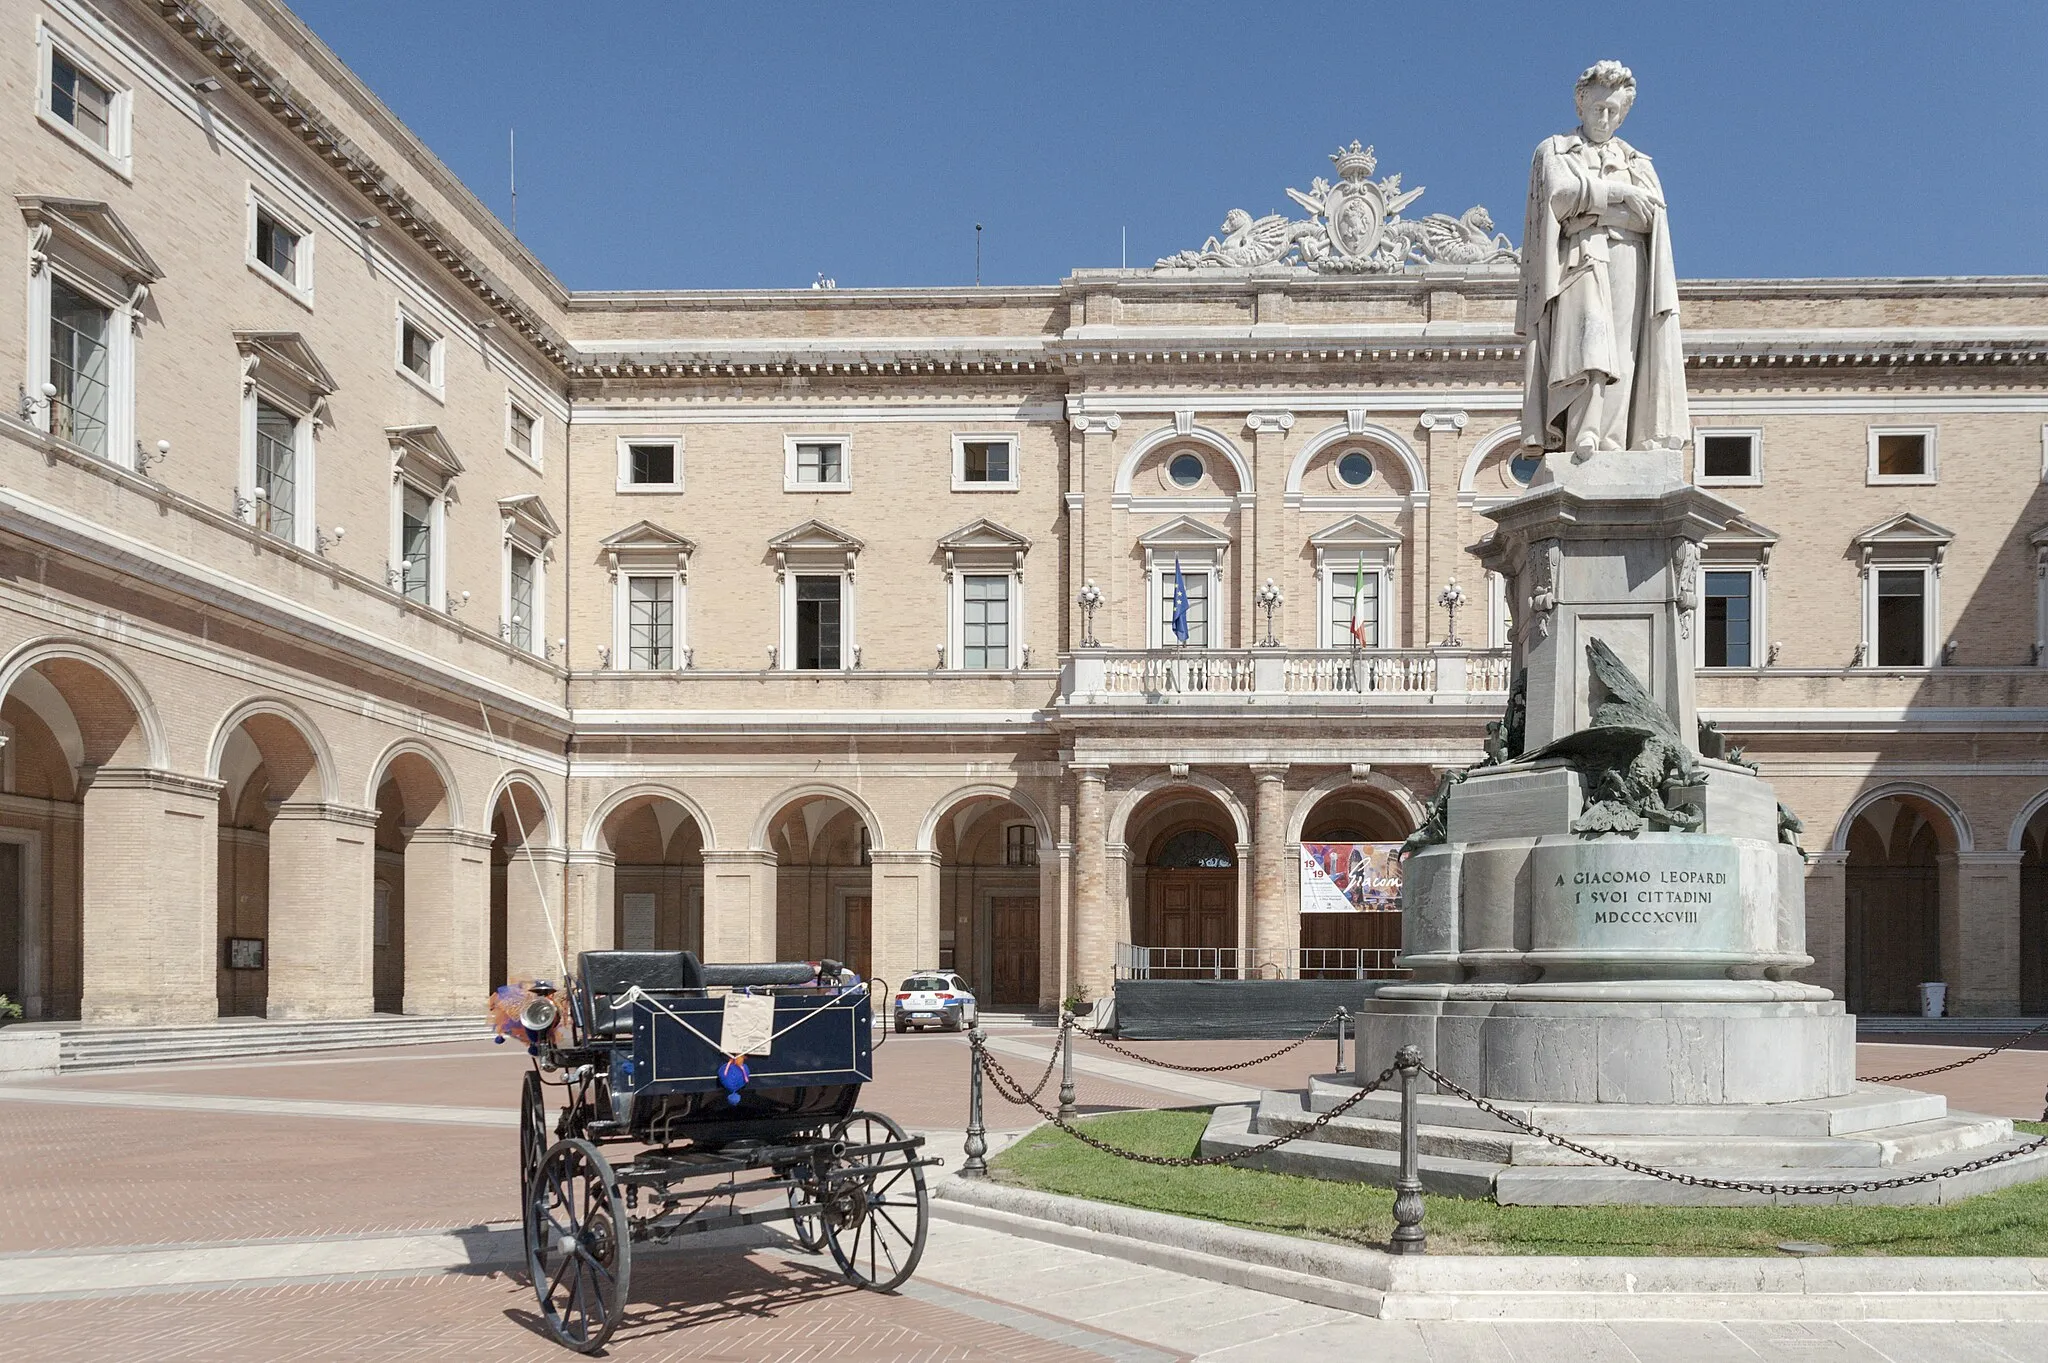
[1195, 849]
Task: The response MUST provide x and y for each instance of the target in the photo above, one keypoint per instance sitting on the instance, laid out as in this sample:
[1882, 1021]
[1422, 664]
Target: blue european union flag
[1180, 602]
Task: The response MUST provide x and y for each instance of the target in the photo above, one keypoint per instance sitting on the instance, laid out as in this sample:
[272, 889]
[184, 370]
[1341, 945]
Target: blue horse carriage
[714, 1087]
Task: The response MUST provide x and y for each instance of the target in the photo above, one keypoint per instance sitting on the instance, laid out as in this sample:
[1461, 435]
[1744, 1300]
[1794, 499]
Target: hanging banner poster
[1350, 877]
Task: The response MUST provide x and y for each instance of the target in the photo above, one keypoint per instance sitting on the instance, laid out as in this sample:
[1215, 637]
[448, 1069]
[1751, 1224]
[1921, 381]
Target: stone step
[1231, 1129]
[1867, 1108]
[82, 1049]
[1579, 1187]
[1278, 1113]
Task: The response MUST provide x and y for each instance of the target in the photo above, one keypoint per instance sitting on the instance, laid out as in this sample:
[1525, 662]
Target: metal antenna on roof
[977, 254]
[512, 166]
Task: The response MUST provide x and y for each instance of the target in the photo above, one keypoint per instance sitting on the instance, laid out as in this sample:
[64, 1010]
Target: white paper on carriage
[749, 1024]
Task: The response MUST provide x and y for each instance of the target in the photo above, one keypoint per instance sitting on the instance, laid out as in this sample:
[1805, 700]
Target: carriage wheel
[533, 1130]
[875, 1222]
[809, 1232]
[578, 1245]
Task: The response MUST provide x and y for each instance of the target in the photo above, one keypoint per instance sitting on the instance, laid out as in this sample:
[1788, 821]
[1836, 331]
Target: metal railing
[1165, 673]
[1349, 963]
[1135, 962]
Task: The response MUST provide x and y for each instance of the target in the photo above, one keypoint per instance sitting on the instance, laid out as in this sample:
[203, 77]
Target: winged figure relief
[1631, 758]
[1246, 241]
[1468, 239]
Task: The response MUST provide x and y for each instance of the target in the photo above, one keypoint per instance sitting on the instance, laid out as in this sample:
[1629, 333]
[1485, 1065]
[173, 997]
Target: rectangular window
[1345, 600]
[277, 470]
[985, 621]
[1901, 617]
[1198, 609]
[817, 622]
[416, 543]
[987, 461]
[1902, 456]
[821, 461]
[78, 368]
[277, 247]
[651, 464]
[651, 623]
[1020, 845]
[520, 633]
[1726, 640]
[519, 431]
[81, 101]
[1728, 457]
[416, 352]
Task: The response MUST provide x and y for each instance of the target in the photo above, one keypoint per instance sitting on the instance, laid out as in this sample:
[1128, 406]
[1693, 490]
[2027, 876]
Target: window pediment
[815, 544]
[283, 360]
[1184, 532]
[88, 228]
[424, 452]
[646, 545]
[1905, 538]
[1356, 532]
[529, 514]
[984, 541]
[1744, 541]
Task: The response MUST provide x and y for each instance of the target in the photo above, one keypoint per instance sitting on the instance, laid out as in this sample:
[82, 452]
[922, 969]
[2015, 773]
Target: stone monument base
[1733, 1041]
[1872, 1132]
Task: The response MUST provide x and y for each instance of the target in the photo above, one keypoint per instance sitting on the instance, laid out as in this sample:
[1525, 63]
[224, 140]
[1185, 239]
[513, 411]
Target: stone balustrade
[1109, 676]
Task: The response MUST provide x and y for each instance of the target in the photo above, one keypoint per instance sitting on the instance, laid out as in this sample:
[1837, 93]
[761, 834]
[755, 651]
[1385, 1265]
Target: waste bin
[1933, 999]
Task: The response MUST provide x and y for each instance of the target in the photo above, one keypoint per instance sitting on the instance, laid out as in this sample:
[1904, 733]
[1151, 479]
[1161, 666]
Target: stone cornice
[209, 36]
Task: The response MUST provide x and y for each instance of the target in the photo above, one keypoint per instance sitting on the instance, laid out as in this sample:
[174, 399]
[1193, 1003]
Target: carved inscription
[1676, 893]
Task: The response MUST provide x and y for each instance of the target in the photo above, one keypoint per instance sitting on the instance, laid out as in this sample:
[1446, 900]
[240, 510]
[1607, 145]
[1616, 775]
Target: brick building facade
[379, 616]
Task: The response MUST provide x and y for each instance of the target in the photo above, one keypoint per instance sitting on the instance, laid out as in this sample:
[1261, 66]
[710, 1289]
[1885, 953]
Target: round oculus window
[1523, 467]
[1185, 470]
[1355, 468]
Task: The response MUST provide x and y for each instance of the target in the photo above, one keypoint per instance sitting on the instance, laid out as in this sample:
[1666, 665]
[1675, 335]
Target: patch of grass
[2012, 1221]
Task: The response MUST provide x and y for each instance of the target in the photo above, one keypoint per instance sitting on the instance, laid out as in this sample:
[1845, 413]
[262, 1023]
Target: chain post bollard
[1067, 1112]
[977, 1135]
[1343, 1020]
[1408, 1237]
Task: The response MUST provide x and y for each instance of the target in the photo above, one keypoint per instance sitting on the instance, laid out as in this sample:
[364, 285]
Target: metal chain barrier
[1956, 1064]
[1874, 1185]
[1011, 1090]
[1328, 1023]
[1059, 1049]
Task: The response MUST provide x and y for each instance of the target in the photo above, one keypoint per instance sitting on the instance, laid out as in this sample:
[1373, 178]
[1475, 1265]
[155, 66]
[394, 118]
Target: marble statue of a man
[1599, 300]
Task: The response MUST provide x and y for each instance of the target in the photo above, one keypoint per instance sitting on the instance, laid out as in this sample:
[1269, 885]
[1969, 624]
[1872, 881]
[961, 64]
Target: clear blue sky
[683, 145]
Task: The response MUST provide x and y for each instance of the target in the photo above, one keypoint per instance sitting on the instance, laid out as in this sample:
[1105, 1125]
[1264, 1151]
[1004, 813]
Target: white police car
[934, 998]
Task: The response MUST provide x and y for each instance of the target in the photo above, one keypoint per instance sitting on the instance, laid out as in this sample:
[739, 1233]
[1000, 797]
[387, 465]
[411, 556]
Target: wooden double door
[1894, 937]
[1013, 951]
[1195, 912]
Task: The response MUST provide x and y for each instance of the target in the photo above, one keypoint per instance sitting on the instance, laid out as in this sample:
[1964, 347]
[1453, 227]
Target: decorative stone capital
[889, 856]
[1269, 771]
[1098, 772]
[1269, 423]
[599, 856]
[321, 812]
[738, 856]
[1095, 423]
[1444, 419]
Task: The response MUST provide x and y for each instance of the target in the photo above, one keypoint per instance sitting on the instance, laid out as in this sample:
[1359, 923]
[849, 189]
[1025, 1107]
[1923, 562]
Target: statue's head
[1605, 93]
[1236, 220]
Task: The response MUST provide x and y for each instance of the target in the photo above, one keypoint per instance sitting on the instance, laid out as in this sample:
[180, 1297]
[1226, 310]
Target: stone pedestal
[1557, 963]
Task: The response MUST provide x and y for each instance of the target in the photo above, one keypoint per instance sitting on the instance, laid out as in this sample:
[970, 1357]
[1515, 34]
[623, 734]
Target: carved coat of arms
[1354, 227]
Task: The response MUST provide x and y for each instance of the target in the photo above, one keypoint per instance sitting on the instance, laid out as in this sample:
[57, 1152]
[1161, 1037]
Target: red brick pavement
[78, 1177]
[711, 1305]
[2008, 1085]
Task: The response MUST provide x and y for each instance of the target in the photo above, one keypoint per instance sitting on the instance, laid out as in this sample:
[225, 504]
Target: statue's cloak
[1564, 352]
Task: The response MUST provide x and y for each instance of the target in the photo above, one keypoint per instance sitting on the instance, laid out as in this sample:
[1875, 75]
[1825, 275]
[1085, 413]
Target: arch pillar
[447, 920]
[587, 917]
[152, 850]
[905, 886]
[323, 861]
[1827, 920]
[1980, 933]
[1094, 939]
[533, 914]
[739, 904]
[1274, 932]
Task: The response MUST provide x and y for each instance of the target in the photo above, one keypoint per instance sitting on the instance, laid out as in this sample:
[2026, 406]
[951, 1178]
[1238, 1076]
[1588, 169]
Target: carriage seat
[607, 975]
[760, 973]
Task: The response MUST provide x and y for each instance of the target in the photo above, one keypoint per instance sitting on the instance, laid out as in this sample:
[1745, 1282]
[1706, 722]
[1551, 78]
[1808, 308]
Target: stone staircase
[83, 1048]
[1873, 1132]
